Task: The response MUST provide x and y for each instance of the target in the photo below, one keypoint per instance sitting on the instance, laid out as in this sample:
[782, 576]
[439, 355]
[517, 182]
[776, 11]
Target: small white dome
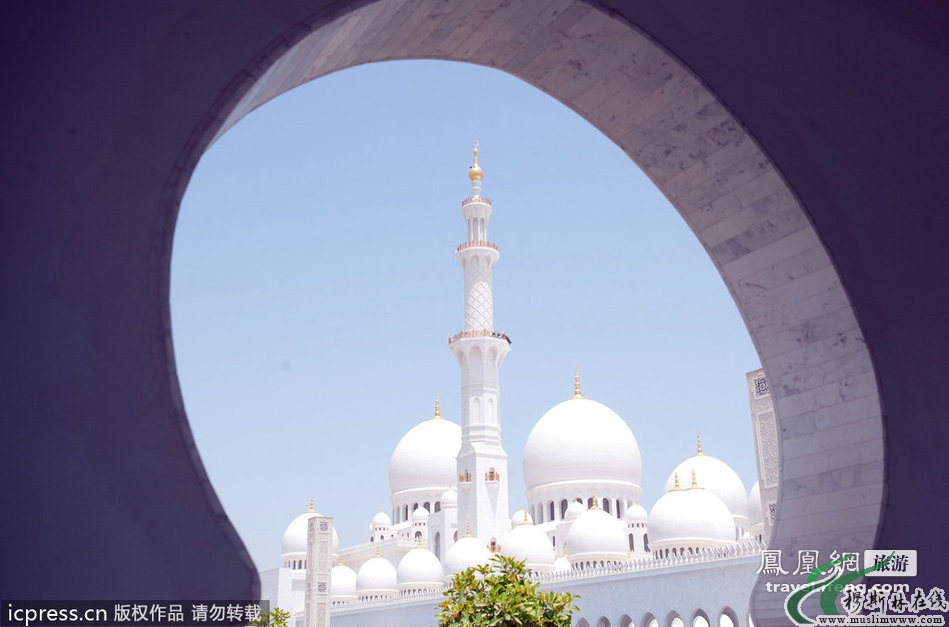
[521, 517]
[425, 457]
[694, 517]
[343, 587]
[377, 577]
[581, 440]
[294, 538]
[755, 515]
[715, 476]
[636, 513]
[596, 536]
[420, 516]
[465, 553]
[449, 498]
[530, 544]
[380, 520]
[420, 569]
[574, 510]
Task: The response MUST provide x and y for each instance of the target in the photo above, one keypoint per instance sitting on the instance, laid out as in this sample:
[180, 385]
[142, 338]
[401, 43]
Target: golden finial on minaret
[438, 406]
[475, 173]
[698, 439]
[595, 504]
[468, 530]
[312, 506]
[419, 545]
[525, 517]
[576, 383]
[676, 486]
[695, 483]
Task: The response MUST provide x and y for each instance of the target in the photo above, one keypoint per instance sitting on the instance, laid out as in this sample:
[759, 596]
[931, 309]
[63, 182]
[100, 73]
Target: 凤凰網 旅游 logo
[885, 604]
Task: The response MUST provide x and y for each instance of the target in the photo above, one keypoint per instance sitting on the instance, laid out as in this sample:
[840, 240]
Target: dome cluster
[583, 469]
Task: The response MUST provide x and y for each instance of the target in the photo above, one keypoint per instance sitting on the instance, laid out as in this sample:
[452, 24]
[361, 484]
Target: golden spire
[312, 506]
[565, 549]
[438, 406]
[595, 504]
[525, 517]
[468, 530]
[475, 173]
[576, 384]
[419, 545]
[676, 486]
[378, 552]
[695, 484]
[340, 561]
[698, 438]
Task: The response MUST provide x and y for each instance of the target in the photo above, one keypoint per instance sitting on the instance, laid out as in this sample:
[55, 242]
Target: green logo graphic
[832, 583]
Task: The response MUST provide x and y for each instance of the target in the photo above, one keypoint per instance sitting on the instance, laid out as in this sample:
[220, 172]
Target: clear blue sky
[314, 287]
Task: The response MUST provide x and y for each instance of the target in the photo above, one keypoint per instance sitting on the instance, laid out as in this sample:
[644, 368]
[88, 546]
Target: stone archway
[736, 202]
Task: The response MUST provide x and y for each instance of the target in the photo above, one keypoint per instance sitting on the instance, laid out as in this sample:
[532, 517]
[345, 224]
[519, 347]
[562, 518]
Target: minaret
[482, 462]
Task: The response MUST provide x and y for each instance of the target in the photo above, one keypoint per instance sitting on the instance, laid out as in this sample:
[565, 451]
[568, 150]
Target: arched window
[620, 510]
[418, 535]
[632, 543]
[563, 508]
[427, 506]
[589, 502]
[414, 506]
[406, 515]
[455, 537]
[438, 545]
[606, 506]
[438, 506]
[551, 508]
[700, 621]
[645, 542]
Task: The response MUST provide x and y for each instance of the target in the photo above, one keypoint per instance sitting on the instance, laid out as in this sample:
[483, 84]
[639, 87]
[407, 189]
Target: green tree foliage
[501, 594]
[276, 618]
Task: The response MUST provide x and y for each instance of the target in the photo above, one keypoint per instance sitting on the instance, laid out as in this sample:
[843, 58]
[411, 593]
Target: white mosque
[689, 561]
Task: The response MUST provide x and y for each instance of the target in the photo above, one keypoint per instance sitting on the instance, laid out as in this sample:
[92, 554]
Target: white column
[319, 549]
[482, 461]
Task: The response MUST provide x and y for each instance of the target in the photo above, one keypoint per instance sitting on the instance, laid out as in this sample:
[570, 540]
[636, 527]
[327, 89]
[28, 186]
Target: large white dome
[693, 517]
[717, 477]
[425, 458]
[581, 441]
[531, 545]
[419, 569]
[467, 552]
[377, 577]
[343, 587]
[596, 536]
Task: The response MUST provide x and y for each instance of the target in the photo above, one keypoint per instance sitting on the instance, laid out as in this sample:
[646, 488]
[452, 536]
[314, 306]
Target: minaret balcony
[483, 243]
[481, 199]
[479, 333]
